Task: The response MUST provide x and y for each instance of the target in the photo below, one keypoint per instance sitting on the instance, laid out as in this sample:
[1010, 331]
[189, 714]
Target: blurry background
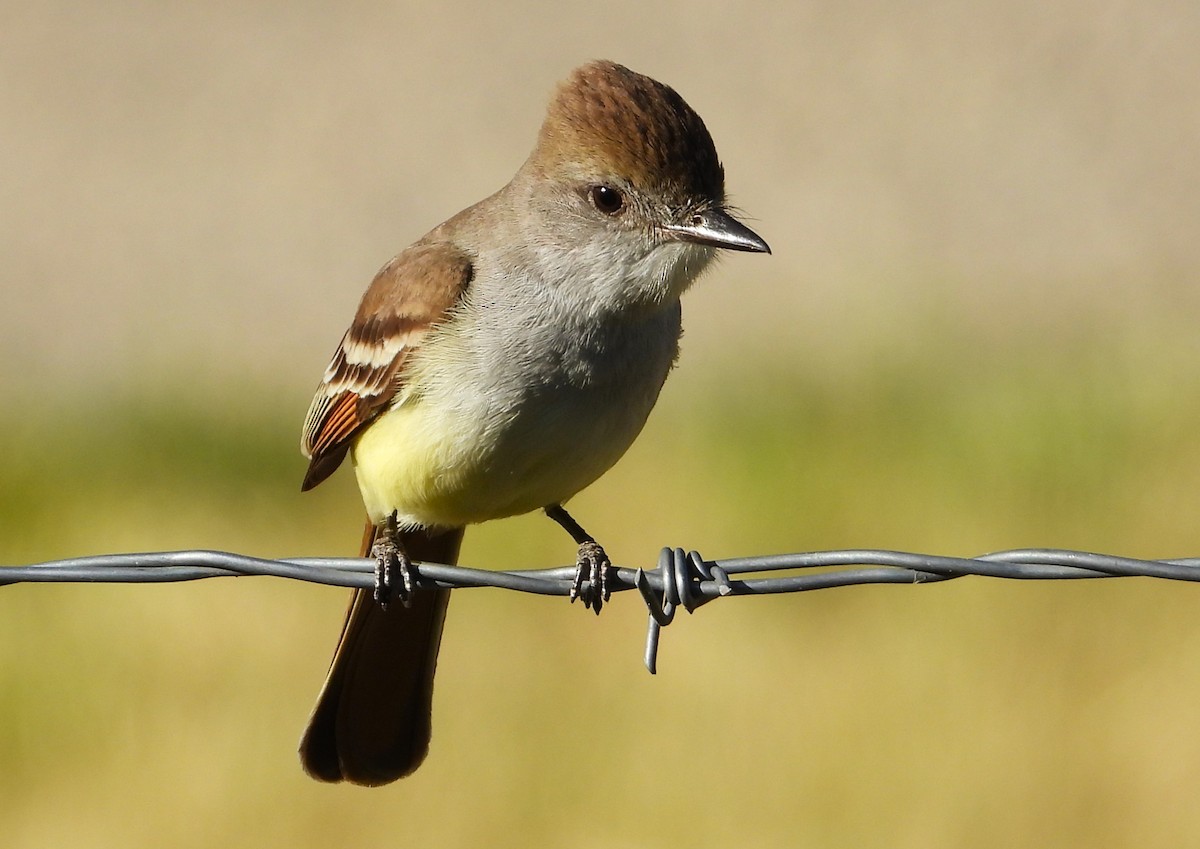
[978, 331]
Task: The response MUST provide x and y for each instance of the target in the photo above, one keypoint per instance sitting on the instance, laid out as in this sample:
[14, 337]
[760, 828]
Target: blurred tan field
[978, 332]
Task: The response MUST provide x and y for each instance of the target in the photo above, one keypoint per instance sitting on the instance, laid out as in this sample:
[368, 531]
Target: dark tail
[371, 722]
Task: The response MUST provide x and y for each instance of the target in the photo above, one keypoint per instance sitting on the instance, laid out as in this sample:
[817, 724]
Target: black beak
[718, 229]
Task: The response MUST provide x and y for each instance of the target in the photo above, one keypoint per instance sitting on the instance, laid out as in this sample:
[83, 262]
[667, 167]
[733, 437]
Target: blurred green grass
[973, 713]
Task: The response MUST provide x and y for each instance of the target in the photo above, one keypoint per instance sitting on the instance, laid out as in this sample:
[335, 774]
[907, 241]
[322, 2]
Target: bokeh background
[978, 331]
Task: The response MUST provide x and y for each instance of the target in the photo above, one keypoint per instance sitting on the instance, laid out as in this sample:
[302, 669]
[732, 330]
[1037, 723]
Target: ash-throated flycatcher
[500, 365]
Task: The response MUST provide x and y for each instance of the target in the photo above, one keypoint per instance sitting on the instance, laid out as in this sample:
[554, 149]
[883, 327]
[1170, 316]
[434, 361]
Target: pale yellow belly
[434, 467]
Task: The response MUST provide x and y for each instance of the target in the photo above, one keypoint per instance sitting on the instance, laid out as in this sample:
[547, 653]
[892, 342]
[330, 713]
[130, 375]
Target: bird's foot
[592, 570]
[393, 569]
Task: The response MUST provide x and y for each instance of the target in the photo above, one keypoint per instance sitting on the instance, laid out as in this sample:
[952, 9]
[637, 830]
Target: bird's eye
[606, 199]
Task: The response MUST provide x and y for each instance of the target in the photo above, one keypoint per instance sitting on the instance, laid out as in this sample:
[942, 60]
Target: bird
[498, 366]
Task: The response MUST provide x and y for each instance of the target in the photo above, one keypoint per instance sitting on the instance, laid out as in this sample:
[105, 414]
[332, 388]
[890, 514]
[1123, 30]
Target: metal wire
[681, 579]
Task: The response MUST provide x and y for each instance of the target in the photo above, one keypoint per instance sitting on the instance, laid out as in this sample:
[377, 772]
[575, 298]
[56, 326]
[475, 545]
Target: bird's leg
[390, 556]
[591, 564]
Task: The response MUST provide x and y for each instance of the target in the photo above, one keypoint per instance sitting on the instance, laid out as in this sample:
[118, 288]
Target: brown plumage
[371, 724]
[608, 117]
[408, 296]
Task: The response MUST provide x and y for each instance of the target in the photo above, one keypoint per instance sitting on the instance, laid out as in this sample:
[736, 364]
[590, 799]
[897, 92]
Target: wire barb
[681, 579]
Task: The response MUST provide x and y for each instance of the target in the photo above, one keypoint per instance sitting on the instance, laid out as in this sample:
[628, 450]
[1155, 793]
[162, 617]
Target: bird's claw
[391, 562]
[592, 567]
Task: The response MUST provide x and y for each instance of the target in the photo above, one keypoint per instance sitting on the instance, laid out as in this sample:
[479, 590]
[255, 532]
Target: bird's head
[625, 182]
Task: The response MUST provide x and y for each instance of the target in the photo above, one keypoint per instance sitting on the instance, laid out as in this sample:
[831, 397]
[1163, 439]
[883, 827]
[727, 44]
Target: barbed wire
[680, 580]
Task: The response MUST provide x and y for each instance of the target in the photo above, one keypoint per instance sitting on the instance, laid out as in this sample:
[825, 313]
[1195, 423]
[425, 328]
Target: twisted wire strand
[680, 579]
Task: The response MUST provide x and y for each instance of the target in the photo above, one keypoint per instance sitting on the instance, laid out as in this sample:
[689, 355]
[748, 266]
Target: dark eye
[608, 200]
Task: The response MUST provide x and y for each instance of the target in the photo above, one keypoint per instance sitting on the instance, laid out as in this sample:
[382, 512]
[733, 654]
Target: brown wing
[408, 297]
